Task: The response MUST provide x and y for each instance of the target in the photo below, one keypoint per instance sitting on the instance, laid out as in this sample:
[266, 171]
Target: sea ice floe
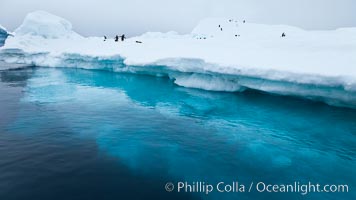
[219, 54]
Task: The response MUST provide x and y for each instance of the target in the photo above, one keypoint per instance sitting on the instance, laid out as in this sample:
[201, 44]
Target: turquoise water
[87, 134]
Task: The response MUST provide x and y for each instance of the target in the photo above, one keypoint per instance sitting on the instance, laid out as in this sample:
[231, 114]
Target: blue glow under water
[81, 134]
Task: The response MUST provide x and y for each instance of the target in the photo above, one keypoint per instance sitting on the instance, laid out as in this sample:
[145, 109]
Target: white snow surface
[46, 25]
[239, 49]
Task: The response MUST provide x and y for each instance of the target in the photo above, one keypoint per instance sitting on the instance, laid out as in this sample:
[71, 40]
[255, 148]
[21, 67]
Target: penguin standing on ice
[105, 38]
[283, 34]
[116, 38]
[123, 37]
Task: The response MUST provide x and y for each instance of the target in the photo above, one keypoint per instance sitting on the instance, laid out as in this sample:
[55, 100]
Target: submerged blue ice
[336, 91]
[182, 134]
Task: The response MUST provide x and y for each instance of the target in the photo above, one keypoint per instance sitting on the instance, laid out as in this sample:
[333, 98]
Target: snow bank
[219, 55]
[230, 28]
[46, 25]
[155, 35]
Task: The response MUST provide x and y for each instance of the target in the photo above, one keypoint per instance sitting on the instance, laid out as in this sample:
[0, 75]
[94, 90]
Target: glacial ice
[3, 30]
[219, 55]
[3, 35]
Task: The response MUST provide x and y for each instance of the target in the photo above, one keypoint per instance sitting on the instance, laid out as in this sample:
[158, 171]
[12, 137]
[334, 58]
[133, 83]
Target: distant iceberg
[219, 55]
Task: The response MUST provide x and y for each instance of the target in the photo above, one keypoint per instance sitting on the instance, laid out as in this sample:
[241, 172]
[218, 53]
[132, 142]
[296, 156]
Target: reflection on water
[113, 132]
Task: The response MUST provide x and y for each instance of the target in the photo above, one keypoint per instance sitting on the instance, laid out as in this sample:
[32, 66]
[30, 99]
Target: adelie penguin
[123, 37]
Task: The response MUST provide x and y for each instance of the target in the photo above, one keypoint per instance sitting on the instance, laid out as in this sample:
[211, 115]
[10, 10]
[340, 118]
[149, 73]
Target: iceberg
[219, 55]
[3, 35]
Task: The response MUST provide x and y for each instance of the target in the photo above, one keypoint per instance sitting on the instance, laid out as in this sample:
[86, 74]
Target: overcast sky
[109, 17]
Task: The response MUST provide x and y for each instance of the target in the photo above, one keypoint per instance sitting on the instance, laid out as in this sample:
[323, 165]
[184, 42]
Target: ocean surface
[87, 134]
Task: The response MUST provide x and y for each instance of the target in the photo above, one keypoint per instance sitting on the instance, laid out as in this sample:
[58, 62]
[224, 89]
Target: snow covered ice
[43, 24]
[220, 55]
